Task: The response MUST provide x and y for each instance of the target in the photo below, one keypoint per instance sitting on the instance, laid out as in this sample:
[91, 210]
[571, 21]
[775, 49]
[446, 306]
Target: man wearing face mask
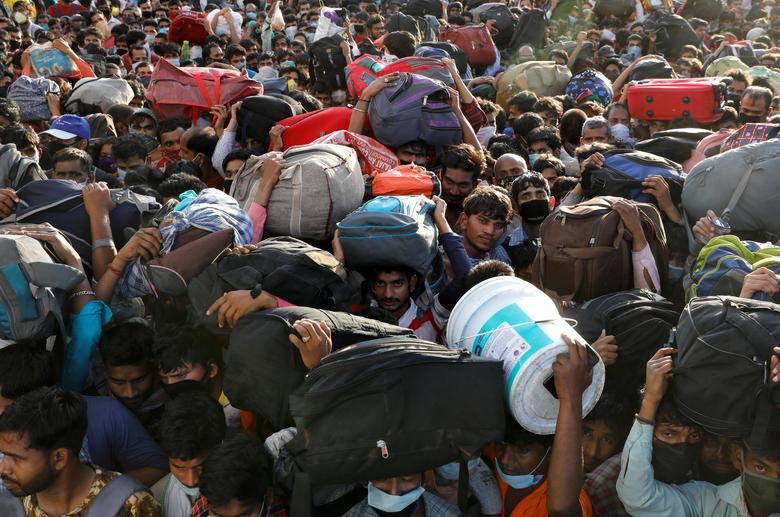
[401, 496]
[755, 493]
[755, 104]
[531, 195]
[65, 131]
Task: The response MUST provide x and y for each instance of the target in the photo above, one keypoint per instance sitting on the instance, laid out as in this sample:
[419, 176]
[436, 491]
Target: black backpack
[264, 368]
[674, 144]
[641, 321]
[529, 30]
[392, 407]
[651, 69]
[704, 9]
[258, 114]
[455, 52]
[673, 32]
[616, 8]
[327, 62]
[403, 22]
[722, 365]
[504, 23]
[423, 7]
[285, 267]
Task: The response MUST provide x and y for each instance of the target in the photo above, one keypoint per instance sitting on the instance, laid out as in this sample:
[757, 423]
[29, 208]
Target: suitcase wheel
[686, 100]
[686, 114]
[649, 98]
[650, 113]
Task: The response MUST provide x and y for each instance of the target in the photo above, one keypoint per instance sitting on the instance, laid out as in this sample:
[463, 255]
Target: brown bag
[586, 250]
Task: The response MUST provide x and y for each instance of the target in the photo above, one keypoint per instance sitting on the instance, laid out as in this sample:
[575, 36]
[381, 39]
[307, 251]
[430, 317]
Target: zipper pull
[591, 242]
[425, 101]
[383, 447]
[563, 220]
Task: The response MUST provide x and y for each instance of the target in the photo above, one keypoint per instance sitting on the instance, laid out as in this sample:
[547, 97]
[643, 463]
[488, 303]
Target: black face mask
[145, 81]
[15, 44]
[226, 186]
[704, 473]
[49, 150]
[747, 119]
[672, 463]
[534, 211]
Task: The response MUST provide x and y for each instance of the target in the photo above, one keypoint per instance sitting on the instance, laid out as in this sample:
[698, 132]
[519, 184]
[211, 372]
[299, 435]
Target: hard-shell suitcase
[700, 99]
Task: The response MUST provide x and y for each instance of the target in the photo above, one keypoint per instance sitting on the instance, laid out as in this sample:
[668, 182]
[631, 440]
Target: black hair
[668, 413]
[525, 123]
[464, 156]
[126, 343]
[237, 469]
[548, 161]
[202, 140]
[238, 154]
[586, 151]
[616, 410]
[524, 101]
[129, 146]
[23, 369]
[192, 424]
[529, 179]
[171, 124]
[178, 182]
[234, 50]
[546, 134]
[485, 270]
[69, 154]
[50, 418]
[401, 43]
[175, 347]
[308, 101]
[517, 435]
[21, 136]
[144, 175]
[563, 186]
[489, 202]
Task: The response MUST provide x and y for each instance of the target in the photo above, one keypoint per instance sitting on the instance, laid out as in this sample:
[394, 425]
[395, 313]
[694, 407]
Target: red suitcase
[307, 127]
[475, 40]
[188, 25]
[700, 99]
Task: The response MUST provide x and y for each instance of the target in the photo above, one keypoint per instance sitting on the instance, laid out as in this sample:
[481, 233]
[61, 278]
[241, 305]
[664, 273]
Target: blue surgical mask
[385, 502]
[635, 51]
[532, 158]
[525, 480]
[676, 273]
[121, 173]
[251, 16]
[188, 491]
[451, 471]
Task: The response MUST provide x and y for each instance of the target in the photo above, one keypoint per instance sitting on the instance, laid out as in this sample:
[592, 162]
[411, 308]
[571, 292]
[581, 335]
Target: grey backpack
[108, 502]
[16, 170]
[33, 290]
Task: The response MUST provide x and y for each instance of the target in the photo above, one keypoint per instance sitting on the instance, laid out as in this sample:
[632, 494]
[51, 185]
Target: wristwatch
[256, 291]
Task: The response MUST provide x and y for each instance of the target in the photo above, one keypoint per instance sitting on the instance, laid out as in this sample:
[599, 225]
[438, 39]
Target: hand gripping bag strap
[741, 186]
[110, 500]
[751, 329]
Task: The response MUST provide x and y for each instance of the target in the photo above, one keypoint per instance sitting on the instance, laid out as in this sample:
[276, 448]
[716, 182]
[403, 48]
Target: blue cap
[66, 127]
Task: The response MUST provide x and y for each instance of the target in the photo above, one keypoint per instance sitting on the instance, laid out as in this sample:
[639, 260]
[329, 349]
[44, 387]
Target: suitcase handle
[719, 90]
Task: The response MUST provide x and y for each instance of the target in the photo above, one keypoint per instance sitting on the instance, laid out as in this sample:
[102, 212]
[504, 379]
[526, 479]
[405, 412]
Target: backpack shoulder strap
[110, 500]
[11, 506]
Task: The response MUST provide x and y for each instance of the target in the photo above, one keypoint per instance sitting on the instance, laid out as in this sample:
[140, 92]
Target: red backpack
[188, 25]
[404, 180]
[425, 66]
[475, 40]
[305, 128]
[361, 72]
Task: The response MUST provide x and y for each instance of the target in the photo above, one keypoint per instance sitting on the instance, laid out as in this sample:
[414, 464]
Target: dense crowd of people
[206, 204]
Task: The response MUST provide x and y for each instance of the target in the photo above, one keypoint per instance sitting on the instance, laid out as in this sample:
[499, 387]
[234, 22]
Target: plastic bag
[222, 28]
[47, 61]
[277, 20]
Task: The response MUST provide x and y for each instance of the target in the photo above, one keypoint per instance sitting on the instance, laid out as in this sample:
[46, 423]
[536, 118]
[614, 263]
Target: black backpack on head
[616, 8]
[504, 23]
[704, 9]
[673, 32]
[265, 367]
[258, 114]
[403, 22]
[423, 7]
[721, 368]
[455, 52]
[327, 62]
[529, 30]
[674, 144]
[651, 69]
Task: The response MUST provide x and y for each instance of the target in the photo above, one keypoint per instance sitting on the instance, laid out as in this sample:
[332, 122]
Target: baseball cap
[66, 127]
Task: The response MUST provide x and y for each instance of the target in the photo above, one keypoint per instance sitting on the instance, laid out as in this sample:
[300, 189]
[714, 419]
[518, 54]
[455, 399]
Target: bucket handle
[570, 321]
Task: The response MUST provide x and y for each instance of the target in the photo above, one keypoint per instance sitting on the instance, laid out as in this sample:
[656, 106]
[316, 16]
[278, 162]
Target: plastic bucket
[509, 319]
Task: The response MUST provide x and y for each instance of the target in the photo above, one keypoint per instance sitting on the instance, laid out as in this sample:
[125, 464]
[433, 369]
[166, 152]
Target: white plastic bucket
[509, 319]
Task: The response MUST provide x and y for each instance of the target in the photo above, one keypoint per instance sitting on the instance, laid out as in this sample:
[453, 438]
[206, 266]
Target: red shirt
[59, 9]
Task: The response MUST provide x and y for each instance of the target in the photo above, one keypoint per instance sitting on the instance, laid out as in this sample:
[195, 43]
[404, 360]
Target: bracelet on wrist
[643, 420]
[116, 271]
[85, 292]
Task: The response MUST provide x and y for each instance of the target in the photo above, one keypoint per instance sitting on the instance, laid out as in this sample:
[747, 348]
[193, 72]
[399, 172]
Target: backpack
[651, 69]
[673, 32]
[724, 345]
[286, 267]
[613, 8]
[30, 94]
[475, 40]
[704, 9]
[188, 25]
[708, 146]
[723, 263]
[361, 72]
[262, 378]
[305, 128]
[91, 95]
[257, 115]
[391, 231]
[544, 78]
[750, 133]
[319, 185]
[17, 170]
[720, 66]
[34, 290]
[61, 204]
[676, 145]
[418, 26]
[427, 67]
[423, 7]
[641, 321]
[585, 252]
[623, 173]
[404, 180]
[415, 108]
[456, 53]
[746, 188]
[109, 501]
[590, 85]
[327, 62]
[504, 22]
[530, 30]
[355, 420]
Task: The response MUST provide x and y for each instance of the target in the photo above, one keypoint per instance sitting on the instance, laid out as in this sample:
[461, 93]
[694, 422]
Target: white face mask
[190, 492]
[485, 134]
[150, 39]
[291, 32]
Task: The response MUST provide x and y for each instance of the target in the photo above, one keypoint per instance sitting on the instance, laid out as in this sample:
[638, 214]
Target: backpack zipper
[383, 448]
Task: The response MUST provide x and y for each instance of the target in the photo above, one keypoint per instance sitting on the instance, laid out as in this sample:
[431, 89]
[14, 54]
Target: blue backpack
[590, 85]
[624, 171]
[391, 231]
[415, 108]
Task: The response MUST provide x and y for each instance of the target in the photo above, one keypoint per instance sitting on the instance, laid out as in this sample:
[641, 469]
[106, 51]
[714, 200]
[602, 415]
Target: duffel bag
[750, 134]
[590, 85]
[672, 32]
[95, 95]
[623, 173]
[391, 231]
[641, 322]
[361, 72]
[475, 40]
[188, 25]
[724, 345]
[285, 267]
[425, 66]
[30, 94]
[771, 75]
[456, 53]
[34, 290]
[723, 263]
[61, 204]
[544, 78]
[674, 144]
[404, 180]
[415, 108]
[700, 99]
[257, 115]
[190, 92]
[704, 9]
[585, 252]
[305, 128]
[742, 183]
[651, 69]
[720, 66]
[372, 155]
[318, 186]
[263, 375]
[390, 407]
[423, 7]
[530, 30]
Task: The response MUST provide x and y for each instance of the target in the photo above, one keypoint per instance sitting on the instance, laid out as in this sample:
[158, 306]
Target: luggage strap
[741, 186]
[204, 91]
[111, 498]
[751, 329]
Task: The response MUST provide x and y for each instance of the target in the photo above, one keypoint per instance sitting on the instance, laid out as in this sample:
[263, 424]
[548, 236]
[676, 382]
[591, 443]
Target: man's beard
[38, 484]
